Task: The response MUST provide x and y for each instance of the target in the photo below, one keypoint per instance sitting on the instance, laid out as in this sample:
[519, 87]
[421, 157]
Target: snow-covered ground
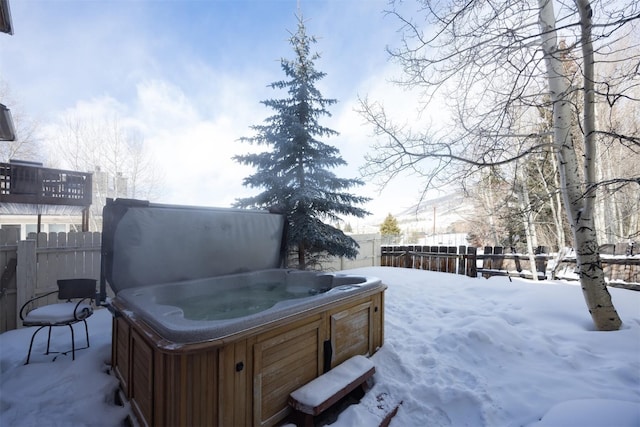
[457, 352]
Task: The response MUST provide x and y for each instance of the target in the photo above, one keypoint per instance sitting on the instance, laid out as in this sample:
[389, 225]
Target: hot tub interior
[246, 294]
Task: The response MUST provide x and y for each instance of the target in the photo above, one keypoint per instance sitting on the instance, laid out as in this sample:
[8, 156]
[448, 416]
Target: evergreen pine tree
[390, 226]
[295, 171]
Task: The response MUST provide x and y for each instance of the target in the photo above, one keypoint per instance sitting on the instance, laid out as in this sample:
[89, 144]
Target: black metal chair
[79, 296]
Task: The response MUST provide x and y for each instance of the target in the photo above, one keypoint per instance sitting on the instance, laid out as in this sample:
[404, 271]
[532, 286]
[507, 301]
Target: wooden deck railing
[27, 184]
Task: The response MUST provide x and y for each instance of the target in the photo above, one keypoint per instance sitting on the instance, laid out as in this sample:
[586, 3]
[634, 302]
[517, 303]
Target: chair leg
[48, 340]
[86, 330]
[73, 344]
[31, 344]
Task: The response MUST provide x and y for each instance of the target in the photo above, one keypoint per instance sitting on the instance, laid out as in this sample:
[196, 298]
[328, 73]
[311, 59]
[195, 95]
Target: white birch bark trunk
[529, 225]
[600, 209]
[562, 243]
[578, 200]
[555, 205]
[490, 208]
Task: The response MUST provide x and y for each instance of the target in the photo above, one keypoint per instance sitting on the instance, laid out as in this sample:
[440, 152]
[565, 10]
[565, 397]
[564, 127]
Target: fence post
[451, 261]
[462, 265]
[424, 258]
[541, 261]
[433, 259]
[417, 258]
[472, 262]
[25, 275]
[375, 259]
[487, 262]
[516, 260]
[442, 259]
[404, 258]
[498, 261]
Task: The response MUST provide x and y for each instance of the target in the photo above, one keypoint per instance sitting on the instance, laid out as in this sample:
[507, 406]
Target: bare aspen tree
[554, 203]
[527, 215]
[547, 175]
[578, 191]
[493, 62]
[618, 205]
[27, 143]
[116, 154]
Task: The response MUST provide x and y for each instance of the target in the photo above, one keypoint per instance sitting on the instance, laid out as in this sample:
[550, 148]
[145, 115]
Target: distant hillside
[447, 204]
[446, 210]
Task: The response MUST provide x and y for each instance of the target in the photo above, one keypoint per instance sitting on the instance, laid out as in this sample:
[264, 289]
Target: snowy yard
[458, 352]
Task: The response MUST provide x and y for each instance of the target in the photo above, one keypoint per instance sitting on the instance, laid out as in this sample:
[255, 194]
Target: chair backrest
[76, 288]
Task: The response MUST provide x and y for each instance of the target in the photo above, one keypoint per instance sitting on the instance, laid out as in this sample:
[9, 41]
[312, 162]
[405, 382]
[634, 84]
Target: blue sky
[191, 74]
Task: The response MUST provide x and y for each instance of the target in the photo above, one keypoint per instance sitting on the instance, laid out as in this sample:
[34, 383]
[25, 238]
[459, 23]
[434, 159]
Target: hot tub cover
[147, 244]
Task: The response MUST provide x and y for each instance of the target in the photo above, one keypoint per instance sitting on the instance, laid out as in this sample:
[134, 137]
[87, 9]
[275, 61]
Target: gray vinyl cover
[146, 244]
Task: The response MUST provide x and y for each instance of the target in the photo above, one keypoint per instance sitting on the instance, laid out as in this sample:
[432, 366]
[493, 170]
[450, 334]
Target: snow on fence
[32, 267]
[621, 265]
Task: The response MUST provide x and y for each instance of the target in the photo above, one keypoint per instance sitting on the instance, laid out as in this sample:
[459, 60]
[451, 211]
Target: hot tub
[209, 329]
[214, 308]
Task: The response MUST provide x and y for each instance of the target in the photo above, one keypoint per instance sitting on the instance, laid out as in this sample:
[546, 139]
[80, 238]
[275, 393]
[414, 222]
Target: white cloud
[192, 144]
[160, 104]
[191, 89]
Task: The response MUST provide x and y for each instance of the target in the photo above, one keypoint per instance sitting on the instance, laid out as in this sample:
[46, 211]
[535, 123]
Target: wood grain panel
[351, 332]
[141, 385]
[282, 364]
[121, 336]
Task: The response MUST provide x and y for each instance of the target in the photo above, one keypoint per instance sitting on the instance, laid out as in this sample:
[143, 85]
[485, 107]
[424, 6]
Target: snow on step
[333, 382]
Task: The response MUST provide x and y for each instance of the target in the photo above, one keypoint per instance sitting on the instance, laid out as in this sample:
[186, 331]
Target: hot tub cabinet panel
[352, 332]
[168, 388]
[282, 364]
[141, 382]
[243, 379]
[120, 352]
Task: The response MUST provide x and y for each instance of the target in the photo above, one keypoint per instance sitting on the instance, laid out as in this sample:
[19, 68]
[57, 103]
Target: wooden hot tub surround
[193, 344]
[245, 378]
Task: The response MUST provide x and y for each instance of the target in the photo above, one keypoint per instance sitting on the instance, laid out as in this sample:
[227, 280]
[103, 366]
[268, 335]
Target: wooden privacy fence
[32, 267]
[446, 259]
[619, 268]
[368, 254]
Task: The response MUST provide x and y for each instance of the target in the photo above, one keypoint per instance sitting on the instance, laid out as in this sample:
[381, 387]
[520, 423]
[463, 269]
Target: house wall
[49, 224]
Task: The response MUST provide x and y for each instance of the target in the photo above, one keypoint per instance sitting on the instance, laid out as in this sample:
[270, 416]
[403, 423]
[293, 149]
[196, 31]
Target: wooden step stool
[314, 398]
